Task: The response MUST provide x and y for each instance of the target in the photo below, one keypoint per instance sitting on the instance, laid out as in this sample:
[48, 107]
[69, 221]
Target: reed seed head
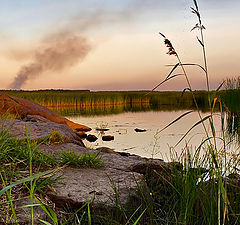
[171, 50]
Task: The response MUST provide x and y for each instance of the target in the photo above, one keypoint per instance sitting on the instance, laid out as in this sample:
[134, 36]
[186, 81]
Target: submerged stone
[91, 138]
[107, 138]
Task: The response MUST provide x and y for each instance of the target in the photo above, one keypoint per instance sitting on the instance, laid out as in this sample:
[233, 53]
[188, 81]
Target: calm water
[150, 143]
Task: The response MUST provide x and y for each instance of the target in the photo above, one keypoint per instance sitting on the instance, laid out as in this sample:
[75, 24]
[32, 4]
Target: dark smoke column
[58, 54]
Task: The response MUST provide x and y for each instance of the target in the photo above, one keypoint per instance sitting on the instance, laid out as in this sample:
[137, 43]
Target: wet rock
[140, 130]
[91, 138]
[107, 138]
[21, 108]
[83, 129]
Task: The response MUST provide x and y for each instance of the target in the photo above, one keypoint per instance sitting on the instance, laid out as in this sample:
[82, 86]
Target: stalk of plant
[172, 51]
[201, 27]
[10, 200]
[221, 187]
[212, 148]
[32, 183]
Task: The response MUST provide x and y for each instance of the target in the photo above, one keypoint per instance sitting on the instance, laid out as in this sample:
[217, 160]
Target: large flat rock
[101, 186]
[119, 178]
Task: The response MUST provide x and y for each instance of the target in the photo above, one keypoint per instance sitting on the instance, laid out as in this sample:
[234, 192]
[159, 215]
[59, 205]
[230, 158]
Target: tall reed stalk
[217, 166]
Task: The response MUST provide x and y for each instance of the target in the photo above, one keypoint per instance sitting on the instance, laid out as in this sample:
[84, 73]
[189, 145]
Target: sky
[114, 45]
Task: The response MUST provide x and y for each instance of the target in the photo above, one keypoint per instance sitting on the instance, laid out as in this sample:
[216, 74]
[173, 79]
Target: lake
[150, 143]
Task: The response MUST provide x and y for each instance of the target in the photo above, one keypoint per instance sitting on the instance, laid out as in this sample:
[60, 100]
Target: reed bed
[80, 98]
[110, 102]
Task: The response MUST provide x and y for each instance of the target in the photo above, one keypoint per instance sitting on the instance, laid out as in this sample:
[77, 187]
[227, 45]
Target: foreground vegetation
[27, 173]
[187, 192]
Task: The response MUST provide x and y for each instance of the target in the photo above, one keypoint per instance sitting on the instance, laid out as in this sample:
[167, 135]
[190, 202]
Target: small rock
[140, 130]
[107, 138]
[91, 138]
[83, 129]
[102, 129]
[125, 154]
[81, 134]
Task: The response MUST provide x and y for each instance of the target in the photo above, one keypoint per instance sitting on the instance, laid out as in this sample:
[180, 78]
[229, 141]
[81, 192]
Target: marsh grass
[113, 102]
[80, 98]
[231, 94]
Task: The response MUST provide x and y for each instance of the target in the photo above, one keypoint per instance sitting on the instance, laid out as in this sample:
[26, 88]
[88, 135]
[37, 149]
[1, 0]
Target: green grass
[14, 152]
[81, 160]
[198, 191]
[55, 137]
[20, 159]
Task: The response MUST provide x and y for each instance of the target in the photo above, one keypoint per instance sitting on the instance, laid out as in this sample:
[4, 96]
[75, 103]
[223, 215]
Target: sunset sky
[113, 44]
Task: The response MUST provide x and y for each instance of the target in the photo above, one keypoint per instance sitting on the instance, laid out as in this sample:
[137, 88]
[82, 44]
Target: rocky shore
[119, 178]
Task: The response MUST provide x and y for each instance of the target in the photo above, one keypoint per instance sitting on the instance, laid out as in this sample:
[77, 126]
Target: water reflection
[121, 120]
[110, 109]
[150, 143]
[107, 109]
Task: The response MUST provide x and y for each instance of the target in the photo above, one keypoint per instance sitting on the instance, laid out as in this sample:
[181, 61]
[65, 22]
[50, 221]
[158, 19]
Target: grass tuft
[81, 160]
[55, 137]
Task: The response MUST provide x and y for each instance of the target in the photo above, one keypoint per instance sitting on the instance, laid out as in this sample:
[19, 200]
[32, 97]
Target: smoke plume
[64, 49]
[58, 53]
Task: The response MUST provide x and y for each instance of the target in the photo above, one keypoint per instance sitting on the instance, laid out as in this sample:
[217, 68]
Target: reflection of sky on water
[150, 143]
